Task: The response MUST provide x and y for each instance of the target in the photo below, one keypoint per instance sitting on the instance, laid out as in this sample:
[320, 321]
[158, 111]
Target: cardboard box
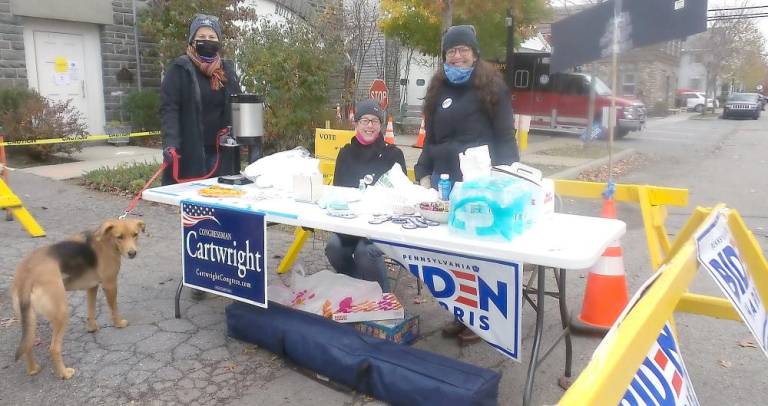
[401, 331]
[386, 309]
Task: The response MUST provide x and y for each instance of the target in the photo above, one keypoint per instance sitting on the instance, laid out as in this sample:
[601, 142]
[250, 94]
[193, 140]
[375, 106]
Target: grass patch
[587, 151]
[704, 116]
[126, 179]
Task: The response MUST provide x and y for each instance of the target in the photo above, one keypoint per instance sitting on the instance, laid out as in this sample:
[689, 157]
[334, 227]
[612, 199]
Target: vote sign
[378, 91]
[717, 253]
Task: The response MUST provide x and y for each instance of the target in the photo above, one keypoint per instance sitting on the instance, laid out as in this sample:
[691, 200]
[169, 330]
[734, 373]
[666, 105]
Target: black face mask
[206, 48]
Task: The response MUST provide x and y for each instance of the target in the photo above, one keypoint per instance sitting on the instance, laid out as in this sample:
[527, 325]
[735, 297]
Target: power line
[736, 8]
[738, 17]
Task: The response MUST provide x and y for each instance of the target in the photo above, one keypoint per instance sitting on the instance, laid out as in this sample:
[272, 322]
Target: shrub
[143, 110]
[26, 115]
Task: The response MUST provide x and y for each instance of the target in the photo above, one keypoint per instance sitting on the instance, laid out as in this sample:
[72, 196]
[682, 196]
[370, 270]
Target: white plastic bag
[277, 170]
[324, 292]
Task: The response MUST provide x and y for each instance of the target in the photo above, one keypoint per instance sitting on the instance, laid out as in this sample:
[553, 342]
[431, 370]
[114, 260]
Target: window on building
[522, 79]
[628, 85]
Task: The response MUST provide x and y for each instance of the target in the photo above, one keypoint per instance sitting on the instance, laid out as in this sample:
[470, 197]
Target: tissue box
[400, 331]
[307, 188]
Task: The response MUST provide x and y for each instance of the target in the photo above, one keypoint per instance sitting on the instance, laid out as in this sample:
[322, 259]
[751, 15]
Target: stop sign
[379, 92]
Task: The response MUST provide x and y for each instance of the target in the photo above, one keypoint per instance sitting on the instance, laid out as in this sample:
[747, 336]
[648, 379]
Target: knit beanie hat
[372, 107]
[460, 35]
[203, 20]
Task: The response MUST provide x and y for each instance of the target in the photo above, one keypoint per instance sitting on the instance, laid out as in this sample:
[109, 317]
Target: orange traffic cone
[606, 293]
[422, 134]
[389, 136]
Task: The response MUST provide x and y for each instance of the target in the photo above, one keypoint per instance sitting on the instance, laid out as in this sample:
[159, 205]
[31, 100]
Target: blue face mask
[457, 75]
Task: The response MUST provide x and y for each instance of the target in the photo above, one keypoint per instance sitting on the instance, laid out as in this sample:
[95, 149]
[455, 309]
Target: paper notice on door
[60, 65]
[61, 79]
[74, 71]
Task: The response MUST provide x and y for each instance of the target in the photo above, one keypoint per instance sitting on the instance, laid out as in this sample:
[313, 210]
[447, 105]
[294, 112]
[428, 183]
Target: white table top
[562, 240]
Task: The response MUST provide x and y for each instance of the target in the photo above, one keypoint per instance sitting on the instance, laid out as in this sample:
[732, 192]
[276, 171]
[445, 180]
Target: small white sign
[716, 251]
[679, 4]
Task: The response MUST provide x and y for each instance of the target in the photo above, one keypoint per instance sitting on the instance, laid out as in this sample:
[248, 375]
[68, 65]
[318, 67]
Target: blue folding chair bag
[394, 373]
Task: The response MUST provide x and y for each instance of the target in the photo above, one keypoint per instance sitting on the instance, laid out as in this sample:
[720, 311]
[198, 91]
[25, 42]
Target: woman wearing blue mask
[467, 105]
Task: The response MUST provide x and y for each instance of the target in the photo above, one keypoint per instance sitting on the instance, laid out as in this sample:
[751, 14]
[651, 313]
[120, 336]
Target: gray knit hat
[204, 20]
[461, 35]
[372, 107]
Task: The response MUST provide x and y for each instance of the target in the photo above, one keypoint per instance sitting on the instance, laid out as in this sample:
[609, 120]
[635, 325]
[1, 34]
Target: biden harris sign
[224, 251]
[483, 294]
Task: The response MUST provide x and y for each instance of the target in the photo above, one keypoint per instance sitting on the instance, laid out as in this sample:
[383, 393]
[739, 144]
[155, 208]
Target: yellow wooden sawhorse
[11, 202]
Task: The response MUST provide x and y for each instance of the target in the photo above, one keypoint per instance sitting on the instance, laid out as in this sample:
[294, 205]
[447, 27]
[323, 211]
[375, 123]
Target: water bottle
[444, 187]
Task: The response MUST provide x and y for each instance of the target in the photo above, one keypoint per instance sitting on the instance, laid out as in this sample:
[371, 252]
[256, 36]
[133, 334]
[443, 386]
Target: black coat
[356, 160]
[459, 121]
[181, 109]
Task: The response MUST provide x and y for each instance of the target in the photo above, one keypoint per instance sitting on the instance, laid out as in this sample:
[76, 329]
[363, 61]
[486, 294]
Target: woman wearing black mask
[195, 101]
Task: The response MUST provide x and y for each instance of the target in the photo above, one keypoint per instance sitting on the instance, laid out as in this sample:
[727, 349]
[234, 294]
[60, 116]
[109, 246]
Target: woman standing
[194, 101]
[366, 154]
[467, 105]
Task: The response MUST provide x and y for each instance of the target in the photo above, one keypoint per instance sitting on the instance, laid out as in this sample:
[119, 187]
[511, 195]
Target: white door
[61, 70]
[64, 63]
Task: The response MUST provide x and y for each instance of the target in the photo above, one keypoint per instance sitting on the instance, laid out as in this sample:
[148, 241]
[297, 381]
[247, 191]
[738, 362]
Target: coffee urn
[248, 122]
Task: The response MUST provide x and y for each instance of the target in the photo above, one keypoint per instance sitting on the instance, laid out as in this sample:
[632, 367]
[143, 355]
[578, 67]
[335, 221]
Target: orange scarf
[212, 69]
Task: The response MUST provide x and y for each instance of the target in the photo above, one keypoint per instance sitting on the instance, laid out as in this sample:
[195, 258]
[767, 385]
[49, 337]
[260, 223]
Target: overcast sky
[762, 23]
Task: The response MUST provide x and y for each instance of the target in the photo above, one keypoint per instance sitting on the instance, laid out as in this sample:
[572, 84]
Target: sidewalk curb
[572, 173]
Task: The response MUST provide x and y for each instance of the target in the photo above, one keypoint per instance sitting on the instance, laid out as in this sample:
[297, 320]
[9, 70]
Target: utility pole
[510, 57]
[447, 15]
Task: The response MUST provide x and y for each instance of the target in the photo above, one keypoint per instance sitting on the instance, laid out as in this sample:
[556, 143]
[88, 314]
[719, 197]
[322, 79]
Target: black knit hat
[203, 20]
[372, 107]
[461, 35]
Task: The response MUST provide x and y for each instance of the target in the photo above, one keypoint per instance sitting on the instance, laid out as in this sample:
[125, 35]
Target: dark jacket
[461, 121]
[356, 160]
[181, 109]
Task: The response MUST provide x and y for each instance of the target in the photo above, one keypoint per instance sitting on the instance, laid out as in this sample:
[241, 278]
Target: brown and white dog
[82, 262]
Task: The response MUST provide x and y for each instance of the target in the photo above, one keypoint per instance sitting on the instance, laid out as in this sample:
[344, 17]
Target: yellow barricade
[612, 367]
[9, 201]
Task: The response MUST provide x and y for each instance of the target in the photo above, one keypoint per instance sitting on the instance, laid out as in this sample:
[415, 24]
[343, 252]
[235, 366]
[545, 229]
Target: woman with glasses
[366, 154]
[194, 101]
[467, 105]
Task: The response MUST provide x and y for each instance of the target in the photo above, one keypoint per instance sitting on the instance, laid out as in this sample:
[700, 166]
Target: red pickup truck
[560, 101]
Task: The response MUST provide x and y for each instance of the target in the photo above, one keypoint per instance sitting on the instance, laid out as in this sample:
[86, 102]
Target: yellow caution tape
[76, 138]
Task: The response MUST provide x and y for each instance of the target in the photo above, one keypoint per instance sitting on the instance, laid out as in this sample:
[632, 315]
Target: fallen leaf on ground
[8, 322]
[418, 300]
[620, 167]
[747, 343]
[726, 364]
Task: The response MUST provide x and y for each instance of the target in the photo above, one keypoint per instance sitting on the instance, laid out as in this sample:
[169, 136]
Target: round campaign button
[447, 103]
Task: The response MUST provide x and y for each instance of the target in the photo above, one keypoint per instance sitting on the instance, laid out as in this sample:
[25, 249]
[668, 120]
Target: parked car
[560, 101]
[695, 101]
[743, 105]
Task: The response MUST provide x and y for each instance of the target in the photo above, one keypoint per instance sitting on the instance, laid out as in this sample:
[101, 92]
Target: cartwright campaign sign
[224, 252]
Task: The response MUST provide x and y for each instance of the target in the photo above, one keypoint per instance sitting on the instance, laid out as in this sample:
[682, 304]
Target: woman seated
[366, 154]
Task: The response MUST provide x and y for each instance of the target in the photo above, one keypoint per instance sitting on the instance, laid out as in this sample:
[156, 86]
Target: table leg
[541, 285]
[564, 321]
[177, 308]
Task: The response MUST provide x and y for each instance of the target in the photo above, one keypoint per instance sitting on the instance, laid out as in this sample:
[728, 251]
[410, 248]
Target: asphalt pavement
[161, 360]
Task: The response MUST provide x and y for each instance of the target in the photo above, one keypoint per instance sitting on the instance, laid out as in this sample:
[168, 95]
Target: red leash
[175, 173]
